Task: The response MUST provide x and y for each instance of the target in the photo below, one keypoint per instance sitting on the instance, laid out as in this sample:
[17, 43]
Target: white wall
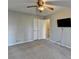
[20, 27]
[59, 35]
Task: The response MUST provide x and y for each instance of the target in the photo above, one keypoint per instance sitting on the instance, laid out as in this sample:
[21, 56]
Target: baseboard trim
[33, 40]
[60, 44]
[20, 43]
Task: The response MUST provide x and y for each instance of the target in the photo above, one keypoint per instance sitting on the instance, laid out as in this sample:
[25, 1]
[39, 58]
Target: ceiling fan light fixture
[41, 8]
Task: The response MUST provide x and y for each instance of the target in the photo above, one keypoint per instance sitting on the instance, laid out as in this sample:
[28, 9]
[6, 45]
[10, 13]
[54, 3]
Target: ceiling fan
[41, 6]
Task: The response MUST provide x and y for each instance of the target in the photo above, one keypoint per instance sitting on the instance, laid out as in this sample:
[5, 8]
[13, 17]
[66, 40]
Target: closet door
[39, 29]
[35, 29]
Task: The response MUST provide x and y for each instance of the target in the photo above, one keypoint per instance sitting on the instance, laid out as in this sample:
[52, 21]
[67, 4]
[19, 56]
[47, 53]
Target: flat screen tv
[66, 22]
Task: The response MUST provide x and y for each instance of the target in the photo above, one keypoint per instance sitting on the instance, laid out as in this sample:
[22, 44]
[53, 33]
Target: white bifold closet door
[38, 29]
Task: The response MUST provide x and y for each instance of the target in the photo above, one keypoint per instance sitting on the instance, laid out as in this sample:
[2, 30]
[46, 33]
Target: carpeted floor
[39, 49]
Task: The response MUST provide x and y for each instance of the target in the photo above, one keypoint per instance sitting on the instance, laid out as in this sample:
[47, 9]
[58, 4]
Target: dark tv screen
[66, 22]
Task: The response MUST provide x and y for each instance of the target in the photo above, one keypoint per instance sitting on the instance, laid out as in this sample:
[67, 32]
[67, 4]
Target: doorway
[41, 29]
[47, 28]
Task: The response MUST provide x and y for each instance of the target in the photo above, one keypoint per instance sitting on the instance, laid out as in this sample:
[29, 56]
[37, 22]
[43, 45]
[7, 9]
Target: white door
[40, 27]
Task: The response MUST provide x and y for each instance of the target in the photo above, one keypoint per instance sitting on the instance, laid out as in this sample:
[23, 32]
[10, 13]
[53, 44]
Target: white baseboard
[60, 44]
[33, 40]
[20, 43]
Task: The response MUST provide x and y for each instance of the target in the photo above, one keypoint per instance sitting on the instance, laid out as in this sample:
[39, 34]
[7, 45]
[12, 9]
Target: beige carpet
[40, 49]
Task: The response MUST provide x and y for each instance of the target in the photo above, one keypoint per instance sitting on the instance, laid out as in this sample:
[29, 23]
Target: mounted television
[66, 22]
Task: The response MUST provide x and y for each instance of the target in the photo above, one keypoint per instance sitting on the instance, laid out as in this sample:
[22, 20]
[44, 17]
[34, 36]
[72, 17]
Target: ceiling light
[41, 8]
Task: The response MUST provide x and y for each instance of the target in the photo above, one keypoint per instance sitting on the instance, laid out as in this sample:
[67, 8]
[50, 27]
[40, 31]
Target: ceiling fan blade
[31, 6]
[49, 7]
